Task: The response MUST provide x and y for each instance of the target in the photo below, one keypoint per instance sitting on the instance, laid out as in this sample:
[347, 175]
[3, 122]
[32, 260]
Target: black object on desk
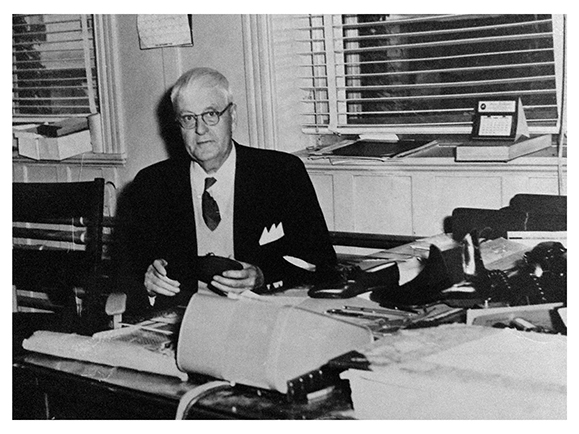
[371, 148]
[526, 212]
[211, 265]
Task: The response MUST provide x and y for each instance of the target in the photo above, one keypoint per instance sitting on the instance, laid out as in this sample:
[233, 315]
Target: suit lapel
[245, 203]
[181, 187]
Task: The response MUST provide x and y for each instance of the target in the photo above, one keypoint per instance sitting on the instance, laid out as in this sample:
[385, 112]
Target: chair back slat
[76, 236]
[68, 203]
[59, 215]
[37, 201]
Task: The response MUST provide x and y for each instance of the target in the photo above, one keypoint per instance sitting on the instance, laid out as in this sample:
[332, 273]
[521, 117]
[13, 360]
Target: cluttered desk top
[432, 336]
[242, 403]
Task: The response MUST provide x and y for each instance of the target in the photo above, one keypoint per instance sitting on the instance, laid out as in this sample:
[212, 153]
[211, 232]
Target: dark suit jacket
[155, 220]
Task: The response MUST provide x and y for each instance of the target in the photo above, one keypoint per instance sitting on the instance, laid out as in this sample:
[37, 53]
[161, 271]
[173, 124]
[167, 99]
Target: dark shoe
[352, 281]
[341, 289]
[425, 288]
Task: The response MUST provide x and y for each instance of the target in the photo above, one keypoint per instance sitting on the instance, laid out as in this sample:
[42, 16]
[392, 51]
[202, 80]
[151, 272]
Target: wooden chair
[57, 244]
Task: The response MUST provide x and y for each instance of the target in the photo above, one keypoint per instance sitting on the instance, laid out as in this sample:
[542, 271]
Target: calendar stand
[500, 133]
[500, 119]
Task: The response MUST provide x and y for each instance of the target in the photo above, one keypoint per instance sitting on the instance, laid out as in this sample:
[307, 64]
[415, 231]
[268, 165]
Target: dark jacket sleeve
[130, 246]
[150, 225]
[310, 238]
[287, 197]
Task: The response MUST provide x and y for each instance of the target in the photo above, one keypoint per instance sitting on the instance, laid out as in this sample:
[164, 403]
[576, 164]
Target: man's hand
[237, 281]
[157, 282]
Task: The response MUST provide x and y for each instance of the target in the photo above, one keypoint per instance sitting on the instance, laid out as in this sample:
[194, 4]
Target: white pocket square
[272, 234]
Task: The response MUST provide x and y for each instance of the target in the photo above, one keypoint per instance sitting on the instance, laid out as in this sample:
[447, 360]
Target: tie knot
[209, 182]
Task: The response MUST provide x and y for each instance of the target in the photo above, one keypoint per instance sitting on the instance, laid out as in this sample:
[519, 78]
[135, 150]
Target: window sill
[87, 159]
[441, 159]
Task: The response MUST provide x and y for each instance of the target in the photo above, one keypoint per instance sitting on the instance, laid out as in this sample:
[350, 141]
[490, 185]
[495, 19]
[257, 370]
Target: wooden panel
[382, 204]
[469, 191]
[41, 173]
[462, 191]
[417, 199]
[323, 185]
[18, 173]
[542, 185]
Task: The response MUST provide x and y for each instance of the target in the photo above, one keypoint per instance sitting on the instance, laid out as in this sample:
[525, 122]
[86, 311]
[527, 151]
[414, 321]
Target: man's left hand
[238, 281]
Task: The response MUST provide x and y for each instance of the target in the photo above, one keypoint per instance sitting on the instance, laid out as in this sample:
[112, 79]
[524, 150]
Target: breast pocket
[271, 234]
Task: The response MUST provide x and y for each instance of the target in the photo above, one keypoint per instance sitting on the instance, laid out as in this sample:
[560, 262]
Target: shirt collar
[225, 174]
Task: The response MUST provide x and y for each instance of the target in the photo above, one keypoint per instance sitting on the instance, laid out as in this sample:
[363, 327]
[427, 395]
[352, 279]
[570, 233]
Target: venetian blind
[53, 67]
[424, 73]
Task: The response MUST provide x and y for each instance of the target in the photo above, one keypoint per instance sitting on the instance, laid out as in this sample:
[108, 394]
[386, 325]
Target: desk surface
[67, 382]
[123, 393]
[52, 387]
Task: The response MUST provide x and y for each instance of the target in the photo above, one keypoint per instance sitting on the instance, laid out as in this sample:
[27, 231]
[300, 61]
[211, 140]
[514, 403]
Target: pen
[376, 259]
[362, 315]
[380, 311]
[380, 266]
[217, 290]
[344, 313]
[419, 247]
[388, 254]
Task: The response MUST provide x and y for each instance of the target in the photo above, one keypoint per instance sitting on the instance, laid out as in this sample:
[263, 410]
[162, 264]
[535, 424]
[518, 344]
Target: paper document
[164, 30]
[511, 353]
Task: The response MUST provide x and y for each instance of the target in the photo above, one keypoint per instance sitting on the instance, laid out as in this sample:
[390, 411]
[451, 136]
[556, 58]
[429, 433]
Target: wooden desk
[46, 387]
[52, 387]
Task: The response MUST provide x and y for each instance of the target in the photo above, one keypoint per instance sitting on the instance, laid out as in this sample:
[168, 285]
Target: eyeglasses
[210, 118]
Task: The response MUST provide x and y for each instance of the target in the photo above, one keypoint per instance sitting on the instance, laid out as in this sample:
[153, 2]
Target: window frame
[110, 95]
[333, 87]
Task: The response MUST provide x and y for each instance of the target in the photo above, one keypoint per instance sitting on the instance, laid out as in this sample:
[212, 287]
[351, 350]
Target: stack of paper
[463, 372]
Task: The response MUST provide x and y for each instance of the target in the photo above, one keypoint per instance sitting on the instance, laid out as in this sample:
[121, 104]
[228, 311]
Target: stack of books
[501, 150]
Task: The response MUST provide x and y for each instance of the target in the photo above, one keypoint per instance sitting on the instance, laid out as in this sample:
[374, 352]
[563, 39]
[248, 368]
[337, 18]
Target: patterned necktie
[210, 209]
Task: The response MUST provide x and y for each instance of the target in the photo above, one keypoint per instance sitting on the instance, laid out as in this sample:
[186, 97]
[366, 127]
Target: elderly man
[256, 206]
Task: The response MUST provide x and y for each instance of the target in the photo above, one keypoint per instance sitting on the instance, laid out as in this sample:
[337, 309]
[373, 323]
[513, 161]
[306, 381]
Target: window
[54, 67]
[62, 67]
[424, 73]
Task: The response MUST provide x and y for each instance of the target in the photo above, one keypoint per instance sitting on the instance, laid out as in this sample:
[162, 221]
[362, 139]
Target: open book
[376, 149]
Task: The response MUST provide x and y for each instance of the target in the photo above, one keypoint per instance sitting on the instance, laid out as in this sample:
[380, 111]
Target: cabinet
[416, 196]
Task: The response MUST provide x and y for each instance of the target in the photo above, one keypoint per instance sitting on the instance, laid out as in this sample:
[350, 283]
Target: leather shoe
[425, 288]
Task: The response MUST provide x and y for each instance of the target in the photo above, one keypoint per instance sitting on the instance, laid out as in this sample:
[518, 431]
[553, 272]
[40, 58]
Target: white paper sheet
[164, 30]
[511, 353]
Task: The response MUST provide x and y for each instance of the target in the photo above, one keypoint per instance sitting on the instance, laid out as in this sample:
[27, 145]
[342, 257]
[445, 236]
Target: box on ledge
[36, 146]
[501, 150]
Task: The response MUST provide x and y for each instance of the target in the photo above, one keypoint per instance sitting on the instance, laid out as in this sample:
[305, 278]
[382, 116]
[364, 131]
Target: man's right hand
[157, 282]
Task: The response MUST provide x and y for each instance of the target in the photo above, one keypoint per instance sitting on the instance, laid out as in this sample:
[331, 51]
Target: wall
[149, 74]
[145, 77]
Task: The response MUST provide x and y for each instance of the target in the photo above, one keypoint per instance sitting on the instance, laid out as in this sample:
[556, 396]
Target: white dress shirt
[219, 241]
